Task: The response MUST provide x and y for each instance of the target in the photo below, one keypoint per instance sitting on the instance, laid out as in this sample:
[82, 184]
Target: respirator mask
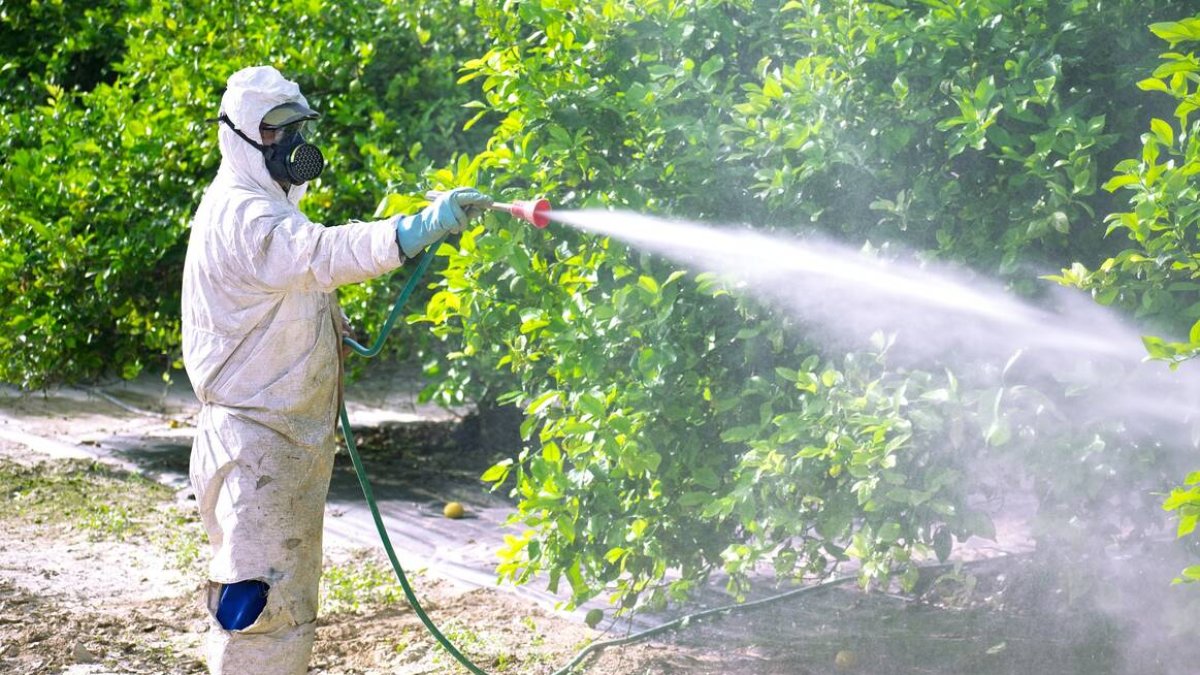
[290, 160]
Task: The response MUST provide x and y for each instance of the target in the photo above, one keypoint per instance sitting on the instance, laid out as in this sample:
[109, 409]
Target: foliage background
[107, 149]
[670, 425]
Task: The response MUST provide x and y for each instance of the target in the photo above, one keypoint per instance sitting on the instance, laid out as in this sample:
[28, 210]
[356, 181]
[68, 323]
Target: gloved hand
[451, 212]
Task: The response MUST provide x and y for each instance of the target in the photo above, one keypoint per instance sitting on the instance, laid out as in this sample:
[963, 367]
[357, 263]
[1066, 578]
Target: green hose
[397, 307]
[362, 474]
[387, 546]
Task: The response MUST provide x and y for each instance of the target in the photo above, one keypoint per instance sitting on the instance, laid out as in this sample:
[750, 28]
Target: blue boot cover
[241, 603]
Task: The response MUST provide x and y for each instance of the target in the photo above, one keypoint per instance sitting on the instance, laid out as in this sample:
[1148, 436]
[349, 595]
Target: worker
[262, 334]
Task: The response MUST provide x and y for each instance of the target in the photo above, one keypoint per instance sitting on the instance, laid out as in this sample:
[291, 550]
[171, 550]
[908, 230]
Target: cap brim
[288, 113]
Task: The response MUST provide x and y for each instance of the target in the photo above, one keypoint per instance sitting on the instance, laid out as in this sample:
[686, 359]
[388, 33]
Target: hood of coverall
[250, 93]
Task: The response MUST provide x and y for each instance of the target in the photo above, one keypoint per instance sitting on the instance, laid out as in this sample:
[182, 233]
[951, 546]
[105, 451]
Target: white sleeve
[294, 253]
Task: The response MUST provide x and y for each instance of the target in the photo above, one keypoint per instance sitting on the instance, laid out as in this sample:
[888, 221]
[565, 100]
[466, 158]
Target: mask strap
[225, 118]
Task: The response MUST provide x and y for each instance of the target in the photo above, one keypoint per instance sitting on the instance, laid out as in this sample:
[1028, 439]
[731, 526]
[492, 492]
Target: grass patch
[359, 585]
[89, 497]
[470, 642]
[101, 502]
[181, 535]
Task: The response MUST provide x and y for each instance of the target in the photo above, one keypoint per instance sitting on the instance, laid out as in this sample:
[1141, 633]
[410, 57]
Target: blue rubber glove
[449, 213]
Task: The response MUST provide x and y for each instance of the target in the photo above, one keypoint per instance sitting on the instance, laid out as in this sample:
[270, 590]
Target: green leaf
[636, 529]
[1187, 524]
[542, 402]
[740, 434]
[497, 472]
[889, 533]
[1180, 498]
[474, 120]
[1118, 182]
[786, 373]
[1190, 574]
[565, 525]
[677, 274]
[712, 67]
[772, 89]
[578, 586]
[1163, 131]
[1045, 87]
[533, 324]
[593, 405]
[1175, 32]
[1156, 347]
[984, 92]
[1153, 84]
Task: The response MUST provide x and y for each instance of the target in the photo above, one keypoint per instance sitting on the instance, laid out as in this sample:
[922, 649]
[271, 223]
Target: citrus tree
[672, 426]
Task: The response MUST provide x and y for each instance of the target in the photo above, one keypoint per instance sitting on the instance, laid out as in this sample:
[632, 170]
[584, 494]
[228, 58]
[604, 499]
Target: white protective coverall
[261, 343]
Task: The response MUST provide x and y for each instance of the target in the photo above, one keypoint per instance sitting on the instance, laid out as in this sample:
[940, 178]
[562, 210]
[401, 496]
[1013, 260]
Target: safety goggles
[287, 131]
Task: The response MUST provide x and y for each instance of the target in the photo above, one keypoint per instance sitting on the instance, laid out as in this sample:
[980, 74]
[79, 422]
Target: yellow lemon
[453, 510]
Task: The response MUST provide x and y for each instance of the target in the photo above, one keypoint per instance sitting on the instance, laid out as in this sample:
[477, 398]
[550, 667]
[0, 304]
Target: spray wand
[533, 211]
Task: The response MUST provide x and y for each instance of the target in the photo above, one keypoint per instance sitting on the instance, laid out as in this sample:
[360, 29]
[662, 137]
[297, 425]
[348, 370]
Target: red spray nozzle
[533, 211]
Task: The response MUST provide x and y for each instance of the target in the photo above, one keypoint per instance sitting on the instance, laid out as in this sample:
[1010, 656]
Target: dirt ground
[102, 557]
[81, 594]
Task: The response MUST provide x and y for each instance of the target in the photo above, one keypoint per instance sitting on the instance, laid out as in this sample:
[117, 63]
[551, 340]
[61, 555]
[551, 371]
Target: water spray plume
[533, 211]
[940, 315]
[817, 277]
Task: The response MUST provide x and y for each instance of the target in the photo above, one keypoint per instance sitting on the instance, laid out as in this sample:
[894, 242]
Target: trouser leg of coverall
[288, 649]
[262, 502]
